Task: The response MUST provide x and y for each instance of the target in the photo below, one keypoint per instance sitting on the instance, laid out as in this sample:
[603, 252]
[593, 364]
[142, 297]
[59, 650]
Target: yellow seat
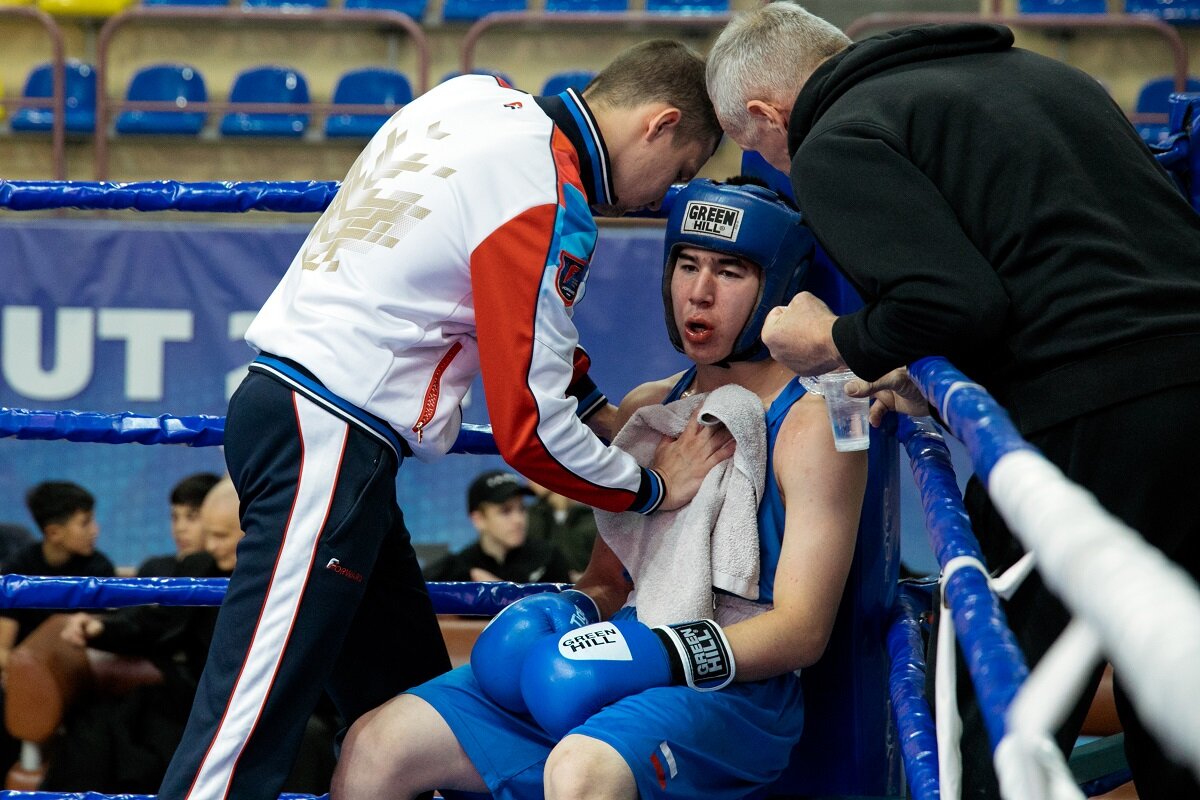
[16, 2]
[83, 8]
[2, 112]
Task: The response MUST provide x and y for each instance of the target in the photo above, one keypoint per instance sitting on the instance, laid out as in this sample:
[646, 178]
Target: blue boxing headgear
[750, 222]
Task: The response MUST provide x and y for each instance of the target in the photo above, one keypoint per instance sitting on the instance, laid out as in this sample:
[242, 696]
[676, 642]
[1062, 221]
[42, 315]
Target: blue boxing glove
[500, 650]
[567, 679]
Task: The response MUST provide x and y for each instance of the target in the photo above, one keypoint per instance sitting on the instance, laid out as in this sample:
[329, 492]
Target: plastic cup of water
[848, 416]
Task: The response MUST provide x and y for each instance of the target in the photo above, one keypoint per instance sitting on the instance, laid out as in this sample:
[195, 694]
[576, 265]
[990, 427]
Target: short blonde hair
[767, 54]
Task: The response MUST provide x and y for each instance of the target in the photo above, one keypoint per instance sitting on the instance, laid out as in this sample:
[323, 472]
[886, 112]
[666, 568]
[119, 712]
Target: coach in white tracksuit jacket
[458, 243]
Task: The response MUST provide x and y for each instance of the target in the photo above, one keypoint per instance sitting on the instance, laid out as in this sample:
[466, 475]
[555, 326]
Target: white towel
[677, 557]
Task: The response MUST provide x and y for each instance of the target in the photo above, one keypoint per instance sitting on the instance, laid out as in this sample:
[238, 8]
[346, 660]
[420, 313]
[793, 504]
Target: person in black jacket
[496, 503]
[995, 207]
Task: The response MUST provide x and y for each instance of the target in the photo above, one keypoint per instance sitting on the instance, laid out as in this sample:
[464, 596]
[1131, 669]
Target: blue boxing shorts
[679, 743]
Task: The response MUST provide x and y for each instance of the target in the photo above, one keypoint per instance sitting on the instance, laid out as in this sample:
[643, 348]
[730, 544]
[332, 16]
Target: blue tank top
[770, 511]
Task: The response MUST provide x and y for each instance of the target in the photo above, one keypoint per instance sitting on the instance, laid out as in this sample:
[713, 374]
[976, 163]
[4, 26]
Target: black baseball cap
[495, 486]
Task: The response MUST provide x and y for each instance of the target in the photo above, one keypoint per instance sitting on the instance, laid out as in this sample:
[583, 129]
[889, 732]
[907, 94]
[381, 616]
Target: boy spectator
[64, 513]
[496, 502]
[186, 529]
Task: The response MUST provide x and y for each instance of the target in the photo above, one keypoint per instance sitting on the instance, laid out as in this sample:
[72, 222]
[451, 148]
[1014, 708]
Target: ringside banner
[148, 317]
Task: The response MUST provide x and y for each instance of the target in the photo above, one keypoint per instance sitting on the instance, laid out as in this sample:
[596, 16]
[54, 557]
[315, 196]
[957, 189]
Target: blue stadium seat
[80, 90]
[559, 82]
[414, 8]
[687, 6]
[365, 86]
[278, 4]
[267, 84]
[586, 6]
[471, 10]
[480, 71]
[172, 82]
[1170, 10]
[1063, 6]
[1154, 98]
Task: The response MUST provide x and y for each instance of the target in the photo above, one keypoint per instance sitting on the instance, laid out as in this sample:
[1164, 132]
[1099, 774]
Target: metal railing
[58, 100]
[601, 20]
[334, 20]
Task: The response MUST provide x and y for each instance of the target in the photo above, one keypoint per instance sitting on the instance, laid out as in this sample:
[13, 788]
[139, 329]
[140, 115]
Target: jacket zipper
[432, 392]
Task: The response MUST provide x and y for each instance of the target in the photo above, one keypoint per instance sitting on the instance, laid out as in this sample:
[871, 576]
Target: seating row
[453, 10]
[182, 86]
[1169, 10]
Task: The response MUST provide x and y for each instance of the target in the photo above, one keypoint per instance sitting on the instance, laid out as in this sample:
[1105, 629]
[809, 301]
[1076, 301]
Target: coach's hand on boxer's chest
[684, 462]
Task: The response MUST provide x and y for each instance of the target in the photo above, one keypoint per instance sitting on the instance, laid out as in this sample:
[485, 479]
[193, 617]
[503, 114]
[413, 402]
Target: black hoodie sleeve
[927, 289]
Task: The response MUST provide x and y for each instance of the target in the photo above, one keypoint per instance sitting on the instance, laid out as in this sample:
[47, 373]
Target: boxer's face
[712, 296]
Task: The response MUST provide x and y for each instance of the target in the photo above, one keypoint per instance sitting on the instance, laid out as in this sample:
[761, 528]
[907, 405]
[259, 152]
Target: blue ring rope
[194, 431]
[232, 197]
[972, 415]
[35, 591]
[994, 659]
[910, 709]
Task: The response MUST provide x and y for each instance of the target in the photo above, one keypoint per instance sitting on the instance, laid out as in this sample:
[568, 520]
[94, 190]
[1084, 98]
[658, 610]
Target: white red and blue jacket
[460, 242]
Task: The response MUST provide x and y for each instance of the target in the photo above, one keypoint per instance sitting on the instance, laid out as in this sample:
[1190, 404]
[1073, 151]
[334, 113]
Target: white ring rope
[1144, 609]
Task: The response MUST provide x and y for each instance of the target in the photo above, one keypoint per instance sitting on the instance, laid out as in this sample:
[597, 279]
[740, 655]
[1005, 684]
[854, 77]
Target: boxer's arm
[823, 492]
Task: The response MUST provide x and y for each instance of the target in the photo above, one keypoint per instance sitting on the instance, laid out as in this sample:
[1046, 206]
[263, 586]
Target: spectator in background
[65, 514]
[186, 528]
[568, 525]
[496, 502]
[122, 744]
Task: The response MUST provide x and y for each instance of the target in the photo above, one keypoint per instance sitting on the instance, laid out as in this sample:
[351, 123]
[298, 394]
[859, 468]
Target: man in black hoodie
[995, 207]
